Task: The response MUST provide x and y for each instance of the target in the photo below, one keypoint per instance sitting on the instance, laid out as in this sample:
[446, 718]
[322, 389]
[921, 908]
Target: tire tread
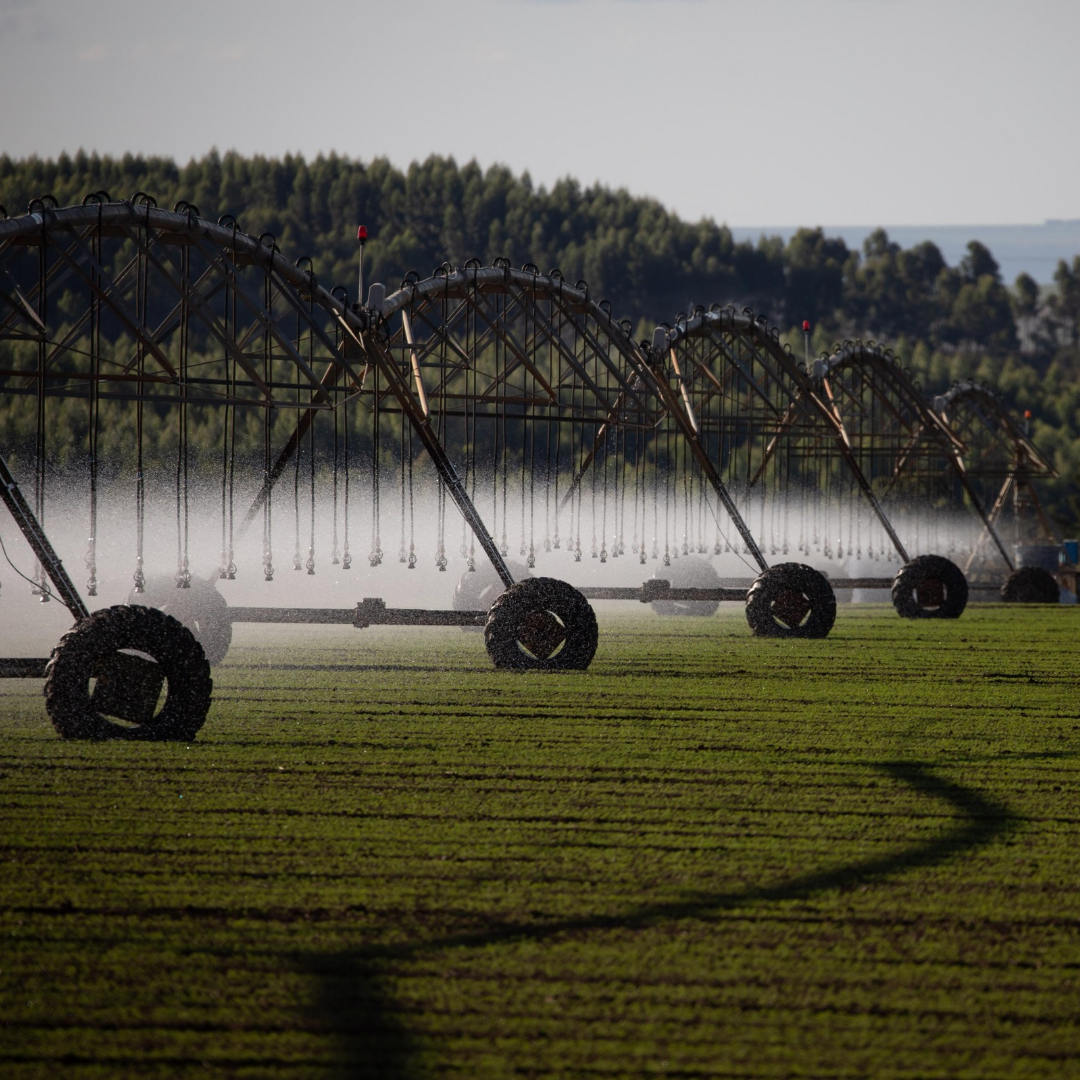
[148, 630]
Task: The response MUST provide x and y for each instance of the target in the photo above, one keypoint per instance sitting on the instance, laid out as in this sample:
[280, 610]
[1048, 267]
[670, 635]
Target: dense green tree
[981, 316]
[978, 263]
[1025, 297]
[1065, 304]
[1035, 327]
[632, 251]
[893, 292]
[949, 322]
[814, 275]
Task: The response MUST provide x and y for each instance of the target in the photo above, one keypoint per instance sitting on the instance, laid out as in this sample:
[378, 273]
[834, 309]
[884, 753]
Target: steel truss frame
[763, 412]
[755, 405]
[890, 432]
[159, 281]
[1000, 459]
[466, 347]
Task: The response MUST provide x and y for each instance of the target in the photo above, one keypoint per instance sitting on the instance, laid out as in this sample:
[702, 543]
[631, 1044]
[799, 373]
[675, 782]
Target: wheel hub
[541, 633]
[128, 687]
[930, 594]
[791, 608]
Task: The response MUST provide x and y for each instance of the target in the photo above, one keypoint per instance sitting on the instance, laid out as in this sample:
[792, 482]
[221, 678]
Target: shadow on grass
[353, 1002]
[355, 1007]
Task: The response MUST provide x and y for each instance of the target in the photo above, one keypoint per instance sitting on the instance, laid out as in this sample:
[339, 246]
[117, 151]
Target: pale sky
[753, 112]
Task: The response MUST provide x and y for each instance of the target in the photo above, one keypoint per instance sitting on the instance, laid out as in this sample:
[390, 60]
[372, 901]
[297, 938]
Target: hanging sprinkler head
[806, 340]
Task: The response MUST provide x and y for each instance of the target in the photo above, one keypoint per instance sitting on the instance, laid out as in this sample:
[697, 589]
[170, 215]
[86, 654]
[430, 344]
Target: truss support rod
[682, 389]
[20, 304]
[105, 293]
[286, 455]
[671, 405]
[906, 453]
[872, 499]
[988, 522]
[990, 518]
[843, 444]
[957, 464]
[399, 387]
[785, 423]
[415, 363]
[1048, 529]
[601, 435]
[39, 543]
[598, 441]
[304, 421]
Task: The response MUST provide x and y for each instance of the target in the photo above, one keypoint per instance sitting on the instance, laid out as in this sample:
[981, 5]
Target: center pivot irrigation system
[521, 399]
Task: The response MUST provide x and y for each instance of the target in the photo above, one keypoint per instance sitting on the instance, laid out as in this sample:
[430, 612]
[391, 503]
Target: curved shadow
[354, 1004]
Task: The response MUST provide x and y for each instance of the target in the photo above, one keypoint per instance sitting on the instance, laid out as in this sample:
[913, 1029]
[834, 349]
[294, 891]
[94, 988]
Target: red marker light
[1027, 414]
[361, 233]
[806, 326]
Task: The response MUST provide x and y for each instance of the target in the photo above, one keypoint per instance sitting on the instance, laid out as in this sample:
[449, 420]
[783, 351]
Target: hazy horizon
[843, 111]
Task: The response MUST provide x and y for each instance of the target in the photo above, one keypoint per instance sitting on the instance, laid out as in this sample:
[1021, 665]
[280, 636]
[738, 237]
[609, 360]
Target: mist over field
[842, 541]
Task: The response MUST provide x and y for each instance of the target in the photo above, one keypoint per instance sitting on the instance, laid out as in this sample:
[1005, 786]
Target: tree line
[946, 322]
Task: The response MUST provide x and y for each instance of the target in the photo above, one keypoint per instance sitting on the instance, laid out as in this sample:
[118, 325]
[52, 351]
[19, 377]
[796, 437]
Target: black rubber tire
[782, 581]
[688, 572]
[926, 570]
[529, 598]
[77, 657]
[201, 608]
[1031, 585]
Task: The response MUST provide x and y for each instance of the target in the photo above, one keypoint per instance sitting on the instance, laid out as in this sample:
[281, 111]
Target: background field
[707, 856]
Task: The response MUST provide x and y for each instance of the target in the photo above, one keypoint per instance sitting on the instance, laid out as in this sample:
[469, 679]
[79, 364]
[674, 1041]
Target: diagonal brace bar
[35, 536]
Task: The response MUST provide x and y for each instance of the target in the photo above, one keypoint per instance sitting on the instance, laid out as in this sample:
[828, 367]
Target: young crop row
[706, 856]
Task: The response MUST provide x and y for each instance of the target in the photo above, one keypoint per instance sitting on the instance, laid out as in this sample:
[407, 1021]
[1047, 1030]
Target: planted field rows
[707, 856]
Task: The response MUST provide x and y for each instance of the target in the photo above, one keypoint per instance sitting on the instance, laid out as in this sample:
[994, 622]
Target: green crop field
[708, 855]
